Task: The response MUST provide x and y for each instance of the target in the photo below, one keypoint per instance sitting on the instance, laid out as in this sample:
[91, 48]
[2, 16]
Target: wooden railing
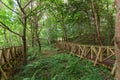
[104, 55]
[9, 59]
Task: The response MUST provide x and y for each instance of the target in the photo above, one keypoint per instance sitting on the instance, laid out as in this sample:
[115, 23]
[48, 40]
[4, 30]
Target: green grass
[62, 67]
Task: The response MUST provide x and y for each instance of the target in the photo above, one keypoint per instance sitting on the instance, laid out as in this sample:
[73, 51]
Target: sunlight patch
[65, 1]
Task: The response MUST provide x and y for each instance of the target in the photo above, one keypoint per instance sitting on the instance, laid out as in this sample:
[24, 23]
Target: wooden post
[99, 52]
[91, 52]
[3, 74]
[113, 69]
[101, 56]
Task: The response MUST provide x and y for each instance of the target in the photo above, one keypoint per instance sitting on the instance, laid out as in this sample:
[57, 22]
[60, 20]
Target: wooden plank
[3, 73]
[113, 69]
[83, 50]
[101, 56]
[0, 57]
[93, 48]
[91, 53]
[112, 51]
[99, 52]
[107, 51]
[108, 57]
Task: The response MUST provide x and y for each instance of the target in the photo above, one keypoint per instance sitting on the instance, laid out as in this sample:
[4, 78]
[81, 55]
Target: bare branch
[20, 20]
[22, 10]
[6, 27]
[27, 4]
[33, 12]
[9, 8]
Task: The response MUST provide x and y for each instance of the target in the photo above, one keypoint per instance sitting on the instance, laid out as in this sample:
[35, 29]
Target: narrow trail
[48, 53]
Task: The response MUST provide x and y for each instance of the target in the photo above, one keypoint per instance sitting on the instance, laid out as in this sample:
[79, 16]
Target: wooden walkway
[103, 55]
[9, 59]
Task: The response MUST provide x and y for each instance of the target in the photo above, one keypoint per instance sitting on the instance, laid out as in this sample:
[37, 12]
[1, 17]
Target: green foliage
[76, 16]
[63, 67]
[54, 16]
[33, 52]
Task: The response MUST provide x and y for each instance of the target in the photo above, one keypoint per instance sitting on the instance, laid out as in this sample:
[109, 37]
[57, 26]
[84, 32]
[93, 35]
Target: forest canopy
[58, 19]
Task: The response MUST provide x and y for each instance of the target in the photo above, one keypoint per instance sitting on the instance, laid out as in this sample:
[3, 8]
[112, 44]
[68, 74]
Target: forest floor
[51, 64]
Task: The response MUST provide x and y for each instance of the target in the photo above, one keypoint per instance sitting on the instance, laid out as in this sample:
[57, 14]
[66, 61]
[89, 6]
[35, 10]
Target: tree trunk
[32, 40]
[65, 37]
[24, 41]
[5, 36]
[32, 32]
[39, 43]
[37, 36]
[117, 40]
[35, 28]
[96, 22]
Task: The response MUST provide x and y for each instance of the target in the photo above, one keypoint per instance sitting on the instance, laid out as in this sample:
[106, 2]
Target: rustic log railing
[9, 59]
[104, 55]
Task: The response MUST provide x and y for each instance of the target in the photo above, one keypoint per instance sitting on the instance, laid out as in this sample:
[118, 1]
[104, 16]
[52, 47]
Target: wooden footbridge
[103, 55]
[9, 59]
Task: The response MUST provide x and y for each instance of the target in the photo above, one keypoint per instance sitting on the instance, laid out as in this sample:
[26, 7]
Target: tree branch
[9, 8]
[27, 4]
[6, 27]
[34, 12]
[20, 20]
[22, 10]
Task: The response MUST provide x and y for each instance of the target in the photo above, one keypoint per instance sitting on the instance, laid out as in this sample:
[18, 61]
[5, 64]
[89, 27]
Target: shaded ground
[52, 65]
[48, 53]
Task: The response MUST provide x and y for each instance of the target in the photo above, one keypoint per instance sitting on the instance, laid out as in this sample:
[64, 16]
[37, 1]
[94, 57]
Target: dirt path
[48, 53]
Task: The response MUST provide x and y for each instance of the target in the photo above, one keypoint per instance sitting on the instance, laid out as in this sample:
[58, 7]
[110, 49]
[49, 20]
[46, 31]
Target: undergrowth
[62, 67]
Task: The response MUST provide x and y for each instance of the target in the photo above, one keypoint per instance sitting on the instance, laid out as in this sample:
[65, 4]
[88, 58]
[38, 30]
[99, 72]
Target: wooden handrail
[10, 57]
[104, 55]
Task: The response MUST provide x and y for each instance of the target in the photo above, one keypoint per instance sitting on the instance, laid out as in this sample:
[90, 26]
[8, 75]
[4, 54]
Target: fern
[63, 67]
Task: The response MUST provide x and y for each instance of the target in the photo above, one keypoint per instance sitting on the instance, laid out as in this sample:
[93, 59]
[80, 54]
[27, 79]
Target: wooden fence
[103, 55]
[9, 59]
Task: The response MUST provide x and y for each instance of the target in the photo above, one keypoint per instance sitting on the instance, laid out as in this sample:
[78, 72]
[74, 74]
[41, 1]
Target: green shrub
[63, 67]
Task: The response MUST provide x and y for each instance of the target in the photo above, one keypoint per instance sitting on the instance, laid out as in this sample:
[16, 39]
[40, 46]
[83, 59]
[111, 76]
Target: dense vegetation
[30, 22]
[53, 65]
[53, 19]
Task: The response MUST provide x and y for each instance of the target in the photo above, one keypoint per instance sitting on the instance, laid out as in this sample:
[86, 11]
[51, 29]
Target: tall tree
[23, 15]
[35, 28]
[96, 22]
[60, 12]
[117, 39]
